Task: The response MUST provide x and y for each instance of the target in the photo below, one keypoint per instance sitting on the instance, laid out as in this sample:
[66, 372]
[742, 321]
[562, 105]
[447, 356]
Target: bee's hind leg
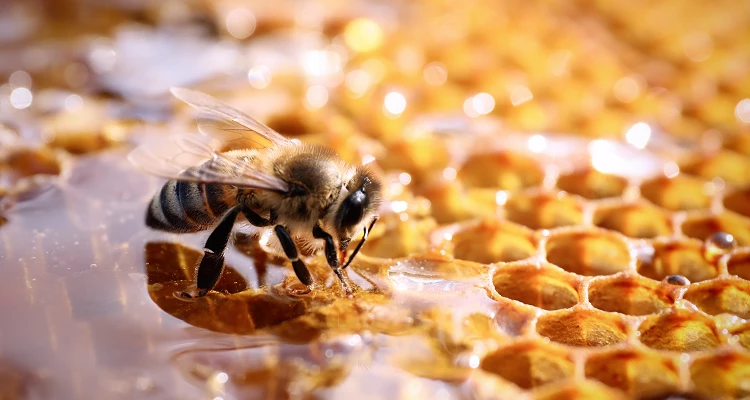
[212, 264]
[290, 249]
[331, 255]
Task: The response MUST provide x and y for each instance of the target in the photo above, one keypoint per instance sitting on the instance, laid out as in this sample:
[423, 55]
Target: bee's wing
[233, 128]
[194, 158]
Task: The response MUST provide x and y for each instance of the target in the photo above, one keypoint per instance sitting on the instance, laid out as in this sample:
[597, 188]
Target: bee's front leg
[212, 264]
[331, 255]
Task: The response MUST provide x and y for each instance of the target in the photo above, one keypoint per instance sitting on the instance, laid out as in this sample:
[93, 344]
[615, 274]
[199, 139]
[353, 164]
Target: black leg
[290, 249]
[331, 256]
[209, 270]
[360, 244]
[257, 220]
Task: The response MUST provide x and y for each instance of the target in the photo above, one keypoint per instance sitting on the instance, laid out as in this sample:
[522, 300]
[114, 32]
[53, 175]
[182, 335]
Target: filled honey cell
[544, 210]
[679, 330]
[629, 295]
[588, 252]
[544, 287]
[739, 265]
[677, 257]
[400, 239]
[724, 375]
[492, 241]
[739, 143]
[732, 167]
[579, 391]
[639, 374]
[529, 364]
[682, 192]
[589, 328]
[739, 202]
[450, 203]
[639, 221]
[592, 184]
[502, 170]
[731, 296]
[742, 334]
[419, 156]
[703, 226]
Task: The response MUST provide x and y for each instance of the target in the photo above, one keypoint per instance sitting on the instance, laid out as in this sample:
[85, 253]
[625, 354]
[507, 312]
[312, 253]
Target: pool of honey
[509, 261]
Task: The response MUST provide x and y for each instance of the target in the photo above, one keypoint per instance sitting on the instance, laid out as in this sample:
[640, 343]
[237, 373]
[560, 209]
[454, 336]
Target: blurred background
[589, 67]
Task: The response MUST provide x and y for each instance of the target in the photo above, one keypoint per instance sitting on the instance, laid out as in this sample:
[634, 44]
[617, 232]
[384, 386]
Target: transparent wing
[233, 128]
[194, 158]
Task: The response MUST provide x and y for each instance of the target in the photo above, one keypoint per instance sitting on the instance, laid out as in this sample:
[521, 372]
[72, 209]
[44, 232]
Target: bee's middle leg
[331, 255]
[290, 249]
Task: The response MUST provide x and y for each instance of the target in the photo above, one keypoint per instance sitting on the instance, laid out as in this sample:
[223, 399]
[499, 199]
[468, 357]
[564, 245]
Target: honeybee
[295, 193]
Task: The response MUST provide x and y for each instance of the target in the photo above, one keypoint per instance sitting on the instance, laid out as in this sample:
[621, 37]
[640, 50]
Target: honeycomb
[566, 214]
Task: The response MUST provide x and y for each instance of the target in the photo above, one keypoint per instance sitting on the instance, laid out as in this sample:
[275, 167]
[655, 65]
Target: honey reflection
[276, 308]
[231, 308]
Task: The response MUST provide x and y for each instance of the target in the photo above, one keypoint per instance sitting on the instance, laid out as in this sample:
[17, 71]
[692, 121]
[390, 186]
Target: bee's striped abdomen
[182, 206]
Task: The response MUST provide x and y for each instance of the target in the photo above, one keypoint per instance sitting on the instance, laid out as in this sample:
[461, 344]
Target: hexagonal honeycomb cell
[529, 363]
[450, 202]
[492, 241]
[629, 295]
[400, 237]
[732, 167]
[544, 287]
[419, 156]
[723, 375]
[580, 327]
[635, 220]
[731, 296]
[741, 333]
[502, 170]
[677, 257]
[588, 252]
[579, 391]
[679, 330]
[738, 201]
[703, 226]
[542, 210]
[639, 374]
[592, 184]
[679, 193]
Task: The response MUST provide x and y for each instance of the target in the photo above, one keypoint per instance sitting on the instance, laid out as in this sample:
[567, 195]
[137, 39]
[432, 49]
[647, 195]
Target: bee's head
[359, 206]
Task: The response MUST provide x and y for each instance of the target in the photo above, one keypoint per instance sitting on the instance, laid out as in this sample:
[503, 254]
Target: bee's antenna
[360, 244]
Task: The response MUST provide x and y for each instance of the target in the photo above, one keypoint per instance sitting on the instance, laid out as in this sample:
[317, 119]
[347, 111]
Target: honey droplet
[718, 244]
[678, 280]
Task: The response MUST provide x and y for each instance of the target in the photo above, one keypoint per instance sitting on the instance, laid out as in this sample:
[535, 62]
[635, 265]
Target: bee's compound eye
[352, 209]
